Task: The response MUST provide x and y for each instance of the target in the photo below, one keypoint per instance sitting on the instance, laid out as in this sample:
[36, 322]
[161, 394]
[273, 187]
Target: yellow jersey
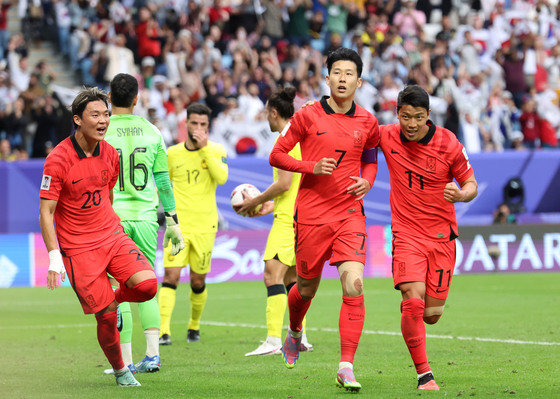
[195, 174]
[284, 204]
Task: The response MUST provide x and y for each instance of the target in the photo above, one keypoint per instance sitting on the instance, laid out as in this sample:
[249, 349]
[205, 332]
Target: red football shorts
[87, 271]
[340, 241]
[431, 262]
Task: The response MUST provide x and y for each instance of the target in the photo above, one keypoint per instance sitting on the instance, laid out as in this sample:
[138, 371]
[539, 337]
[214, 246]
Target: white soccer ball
[249, 189]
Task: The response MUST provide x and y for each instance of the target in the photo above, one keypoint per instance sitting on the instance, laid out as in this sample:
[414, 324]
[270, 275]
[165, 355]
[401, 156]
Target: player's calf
[433, 314]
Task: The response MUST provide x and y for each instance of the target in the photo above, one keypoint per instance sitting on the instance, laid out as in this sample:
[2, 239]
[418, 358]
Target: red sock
[350, 324]
[414, 332]
[141, 292]
[109, 338]
[298, 308]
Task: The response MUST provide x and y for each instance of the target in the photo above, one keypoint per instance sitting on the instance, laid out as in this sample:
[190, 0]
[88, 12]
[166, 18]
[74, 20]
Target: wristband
[55, 261]
[171, 218]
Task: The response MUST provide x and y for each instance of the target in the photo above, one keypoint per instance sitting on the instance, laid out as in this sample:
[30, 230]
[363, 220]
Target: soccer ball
[249, 189]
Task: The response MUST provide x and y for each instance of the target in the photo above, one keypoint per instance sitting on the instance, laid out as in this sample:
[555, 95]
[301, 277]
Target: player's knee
[149, 289]
[352, 283]
[197, 287]
[433, 314]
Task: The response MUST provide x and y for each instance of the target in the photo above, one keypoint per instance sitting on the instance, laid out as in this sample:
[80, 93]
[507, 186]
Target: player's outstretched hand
[452, 193]
[247, 207]
[310, 102]
[173, 233]
[56, 268]
[324, 166]
[360, 188]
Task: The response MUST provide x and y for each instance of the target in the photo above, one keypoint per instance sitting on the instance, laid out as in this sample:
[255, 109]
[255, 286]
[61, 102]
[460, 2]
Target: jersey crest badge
[203, 164]
[104, 176]
[46, 182]
[357, 138]
[431, 164]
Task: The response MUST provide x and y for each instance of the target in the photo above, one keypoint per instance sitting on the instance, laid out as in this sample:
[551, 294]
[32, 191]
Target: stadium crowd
[492, 67]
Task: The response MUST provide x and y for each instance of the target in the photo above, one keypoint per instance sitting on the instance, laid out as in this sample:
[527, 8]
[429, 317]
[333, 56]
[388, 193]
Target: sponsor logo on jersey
[46, 182]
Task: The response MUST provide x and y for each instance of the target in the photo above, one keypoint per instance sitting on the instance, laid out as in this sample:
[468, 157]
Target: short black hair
[198, 109]
[415, 96]
[345, 54]
[124, 88]
[283, 101]
[85, 97]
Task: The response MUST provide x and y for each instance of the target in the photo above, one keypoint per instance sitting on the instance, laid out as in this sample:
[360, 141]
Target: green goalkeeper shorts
[144, 234]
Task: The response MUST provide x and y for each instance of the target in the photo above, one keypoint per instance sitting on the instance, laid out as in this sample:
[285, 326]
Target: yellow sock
[303, 324]
[198, 301]
[166, 302]
[275, 309]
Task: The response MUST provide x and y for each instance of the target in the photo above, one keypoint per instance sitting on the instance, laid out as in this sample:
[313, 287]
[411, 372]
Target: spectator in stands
[4, 33]
[503, 215]
[16, 123]
[6, 151]
[530, 122]
[148, 32]
[119, 58]
[408, 20]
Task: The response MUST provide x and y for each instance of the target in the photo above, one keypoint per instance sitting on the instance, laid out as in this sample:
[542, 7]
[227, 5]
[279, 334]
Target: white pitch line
[329, 330]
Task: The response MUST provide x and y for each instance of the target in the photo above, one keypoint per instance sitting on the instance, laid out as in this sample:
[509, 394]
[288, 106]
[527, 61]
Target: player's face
[197, 123]
[94, 121]
[413, 122]
[343, 80]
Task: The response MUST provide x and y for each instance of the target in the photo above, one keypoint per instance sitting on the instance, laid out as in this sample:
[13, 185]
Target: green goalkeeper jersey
[141, 154]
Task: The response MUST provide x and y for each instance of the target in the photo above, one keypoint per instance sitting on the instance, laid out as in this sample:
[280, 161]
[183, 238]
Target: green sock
[149, 314]
[126, 331]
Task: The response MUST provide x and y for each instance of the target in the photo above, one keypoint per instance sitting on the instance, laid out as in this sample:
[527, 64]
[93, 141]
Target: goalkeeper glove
[173, 233]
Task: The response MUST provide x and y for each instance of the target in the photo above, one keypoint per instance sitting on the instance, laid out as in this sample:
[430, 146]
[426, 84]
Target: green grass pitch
[491, 342]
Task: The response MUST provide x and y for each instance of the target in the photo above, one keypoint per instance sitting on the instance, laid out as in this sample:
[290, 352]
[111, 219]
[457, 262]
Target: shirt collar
[327, 108]
[188, 149]
[427, 138]
[79, 151]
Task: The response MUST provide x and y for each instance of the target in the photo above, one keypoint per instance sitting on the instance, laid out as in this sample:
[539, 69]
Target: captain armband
[369, 155]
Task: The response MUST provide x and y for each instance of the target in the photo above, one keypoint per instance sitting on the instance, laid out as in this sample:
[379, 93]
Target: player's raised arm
[290, 136]
[46, 221]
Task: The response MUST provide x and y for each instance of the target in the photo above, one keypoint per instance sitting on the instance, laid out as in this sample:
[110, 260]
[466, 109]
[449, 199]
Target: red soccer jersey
[419, 172]
[322, 133]
[84, 216]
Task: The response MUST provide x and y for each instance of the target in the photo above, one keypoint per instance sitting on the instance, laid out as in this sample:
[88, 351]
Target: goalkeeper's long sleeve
[163, 184]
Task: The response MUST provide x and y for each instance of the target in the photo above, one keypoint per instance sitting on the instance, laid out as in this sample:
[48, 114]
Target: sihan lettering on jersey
[129, 131]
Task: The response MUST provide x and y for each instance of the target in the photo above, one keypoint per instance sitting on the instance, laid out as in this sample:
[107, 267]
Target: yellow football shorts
[197, 253]
[280, 243]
